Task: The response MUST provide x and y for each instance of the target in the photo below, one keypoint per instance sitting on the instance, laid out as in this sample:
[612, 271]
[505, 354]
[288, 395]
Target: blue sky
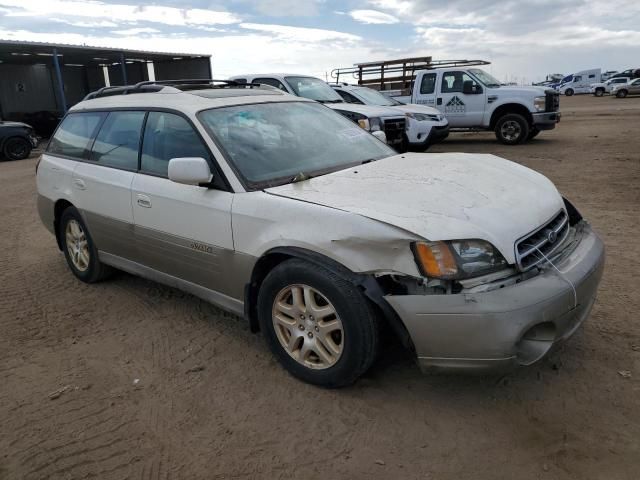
[523, 40]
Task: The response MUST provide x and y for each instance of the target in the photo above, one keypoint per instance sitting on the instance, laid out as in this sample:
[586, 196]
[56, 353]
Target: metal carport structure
[52, 77]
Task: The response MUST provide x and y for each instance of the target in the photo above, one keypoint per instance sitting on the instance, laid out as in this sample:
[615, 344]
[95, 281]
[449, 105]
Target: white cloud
[118, 12]
[136, 31]
[299, 34]
[372, 17]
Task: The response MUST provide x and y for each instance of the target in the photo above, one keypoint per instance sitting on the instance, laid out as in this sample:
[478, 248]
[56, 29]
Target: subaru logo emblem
[552, 236]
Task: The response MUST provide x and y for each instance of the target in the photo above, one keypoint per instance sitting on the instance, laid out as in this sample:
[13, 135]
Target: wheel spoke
[323, 354]
[285, 308]
[84, 256]
[298, 298]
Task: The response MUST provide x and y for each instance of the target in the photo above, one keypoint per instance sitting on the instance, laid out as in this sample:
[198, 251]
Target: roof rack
[372, 74]
[152, 86]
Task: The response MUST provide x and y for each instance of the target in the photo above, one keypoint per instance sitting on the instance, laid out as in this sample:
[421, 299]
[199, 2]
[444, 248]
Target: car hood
[14, 124]
[442, 196]
[515, 91]
[413, 108]
[368, 110]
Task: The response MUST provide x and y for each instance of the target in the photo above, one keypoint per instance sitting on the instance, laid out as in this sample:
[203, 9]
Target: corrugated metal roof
[70, 49]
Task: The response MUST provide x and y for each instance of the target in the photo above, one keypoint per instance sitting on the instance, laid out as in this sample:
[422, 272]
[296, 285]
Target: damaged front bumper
[515, 325]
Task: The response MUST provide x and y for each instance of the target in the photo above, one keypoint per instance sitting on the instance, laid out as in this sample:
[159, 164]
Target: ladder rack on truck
[373, 74]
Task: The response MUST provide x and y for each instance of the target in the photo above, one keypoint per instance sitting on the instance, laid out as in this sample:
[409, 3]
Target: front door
[181, 230]
[461, 109]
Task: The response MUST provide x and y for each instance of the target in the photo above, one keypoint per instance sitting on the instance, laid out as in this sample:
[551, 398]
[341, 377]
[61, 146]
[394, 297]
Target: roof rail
[152, 86]
[374, 74]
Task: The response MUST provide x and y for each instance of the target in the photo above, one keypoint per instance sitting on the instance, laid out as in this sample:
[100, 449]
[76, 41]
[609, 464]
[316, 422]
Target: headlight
[372, 124]
[364, 123]
[540, 103]
[457, 259]
[421, 117]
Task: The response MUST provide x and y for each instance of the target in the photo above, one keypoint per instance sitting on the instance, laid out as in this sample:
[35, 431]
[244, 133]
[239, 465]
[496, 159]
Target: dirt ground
[130, 379]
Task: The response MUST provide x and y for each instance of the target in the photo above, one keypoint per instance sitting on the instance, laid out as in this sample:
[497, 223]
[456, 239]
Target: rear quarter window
[76, 133]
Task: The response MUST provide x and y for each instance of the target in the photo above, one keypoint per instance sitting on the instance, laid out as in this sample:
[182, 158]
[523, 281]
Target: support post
[56, 67]
[124, 69]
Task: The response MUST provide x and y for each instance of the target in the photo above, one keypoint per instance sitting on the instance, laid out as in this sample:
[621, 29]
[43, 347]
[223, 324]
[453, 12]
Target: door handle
[439, 101]
[79, 184]
[144, 201]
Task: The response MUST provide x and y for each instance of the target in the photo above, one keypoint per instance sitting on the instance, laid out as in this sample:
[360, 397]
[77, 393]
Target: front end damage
[503, 319]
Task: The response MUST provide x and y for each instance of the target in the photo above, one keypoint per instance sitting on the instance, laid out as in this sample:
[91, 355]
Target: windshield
[271, 143]
[484, 77]
[314, 89]
[373, 97]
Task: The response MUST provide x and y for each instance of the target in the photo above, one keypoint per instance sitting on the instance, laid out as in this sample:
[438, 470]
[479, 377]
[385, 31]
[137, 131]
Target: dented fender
[263, 222]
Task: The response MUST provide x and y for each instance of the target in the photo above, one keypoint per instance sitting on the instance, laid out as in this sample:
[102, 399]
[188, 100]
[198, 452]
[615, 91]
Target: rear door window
[428, 83]
[168, 136]
[118, 141]
[76, 133]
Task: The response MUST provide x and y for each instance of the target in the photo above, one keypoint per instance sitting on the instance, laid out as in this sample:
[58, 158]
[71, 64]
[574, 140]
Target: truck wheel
[16, 148]
[512, 129]
[533, 133]
[319, 325]
[599, 92]
[621, 93]
[569, 92]
[79, 249]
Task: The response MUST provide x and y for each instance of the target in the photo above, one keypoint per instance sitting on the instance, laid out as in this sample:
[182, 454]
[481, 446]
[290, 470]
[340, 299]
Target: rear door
[425, 89]
[181, 230]
[102, 183]
[462, 110]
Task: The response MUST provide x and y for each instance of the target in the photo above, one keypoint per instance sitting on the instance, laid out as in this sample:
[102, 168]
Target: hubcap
[307, 326]
[77, 245]
[511, 130]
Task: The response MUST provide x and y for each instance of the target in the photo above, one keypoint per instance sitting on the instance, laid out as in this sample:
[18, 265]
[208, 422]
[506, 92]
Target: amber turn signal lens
[435, 260]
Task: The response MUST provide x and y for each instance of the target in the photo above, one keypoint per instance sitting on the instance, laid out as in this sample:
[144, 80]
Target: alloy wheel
[307, 326]
[511, 130]
[77, 245]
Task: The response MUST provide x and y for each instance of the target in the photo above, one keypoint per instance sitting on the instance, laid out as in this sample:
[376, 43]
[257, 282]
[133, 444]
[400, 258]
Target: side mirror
[190, 171]
[469, 87]
[380, 135]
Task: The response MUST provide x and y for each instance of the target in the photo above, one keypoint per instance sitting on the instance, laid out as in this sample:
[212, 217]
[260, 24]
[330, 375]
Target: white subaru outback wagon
[277, 208]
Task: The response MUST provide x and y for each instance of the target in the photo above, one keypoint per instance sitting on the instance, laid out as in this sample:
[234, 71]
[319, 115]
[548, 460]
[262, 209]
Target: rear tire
[599, 92]
[512, 129]
[16, 148]
[569, 92]
[318, 324]
[621, 93]
[79, 248]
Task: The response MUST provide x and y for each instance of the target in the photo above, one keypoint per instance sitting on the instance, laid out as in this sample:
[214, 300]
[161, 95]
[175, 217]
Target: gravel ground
[130, 379]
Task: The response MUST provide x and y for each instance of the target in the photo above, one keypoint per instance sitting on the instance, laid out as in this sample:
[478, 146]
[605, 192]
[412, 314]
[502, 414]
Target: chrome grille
[552, 101]
[544, 241]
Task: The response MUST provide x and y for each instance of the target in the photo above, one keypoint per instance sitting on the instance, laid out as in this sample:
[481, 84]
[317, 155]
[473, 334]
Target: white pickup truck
[472, 99]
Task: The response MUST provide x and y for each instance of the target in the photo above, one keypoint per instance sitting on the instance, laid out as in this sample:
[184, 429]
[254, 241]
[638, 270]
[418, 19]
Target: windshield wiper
[301, 177]
[330, 101]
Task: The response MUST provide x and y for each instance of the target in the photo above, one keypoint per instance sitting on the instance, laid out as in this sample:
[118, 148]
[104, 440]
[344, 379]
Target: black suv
[16, 140]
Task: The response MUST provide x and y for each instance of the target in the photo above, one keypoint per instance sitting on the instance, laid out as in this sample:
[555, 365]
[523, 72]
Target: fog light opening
[535, 343]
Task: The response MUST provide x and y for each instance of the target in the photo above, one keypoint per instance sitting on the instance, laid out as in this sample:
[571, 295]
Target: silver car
[281, 210]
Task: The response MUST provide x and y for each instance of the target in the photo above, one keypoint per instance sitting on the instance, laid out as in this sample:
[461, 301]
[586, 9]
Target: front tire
[621, 93]
[318, 324]
[512, 129]
[79, 249]
[599, 92]
[16, 148]
[533, 133]
[569, 92]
